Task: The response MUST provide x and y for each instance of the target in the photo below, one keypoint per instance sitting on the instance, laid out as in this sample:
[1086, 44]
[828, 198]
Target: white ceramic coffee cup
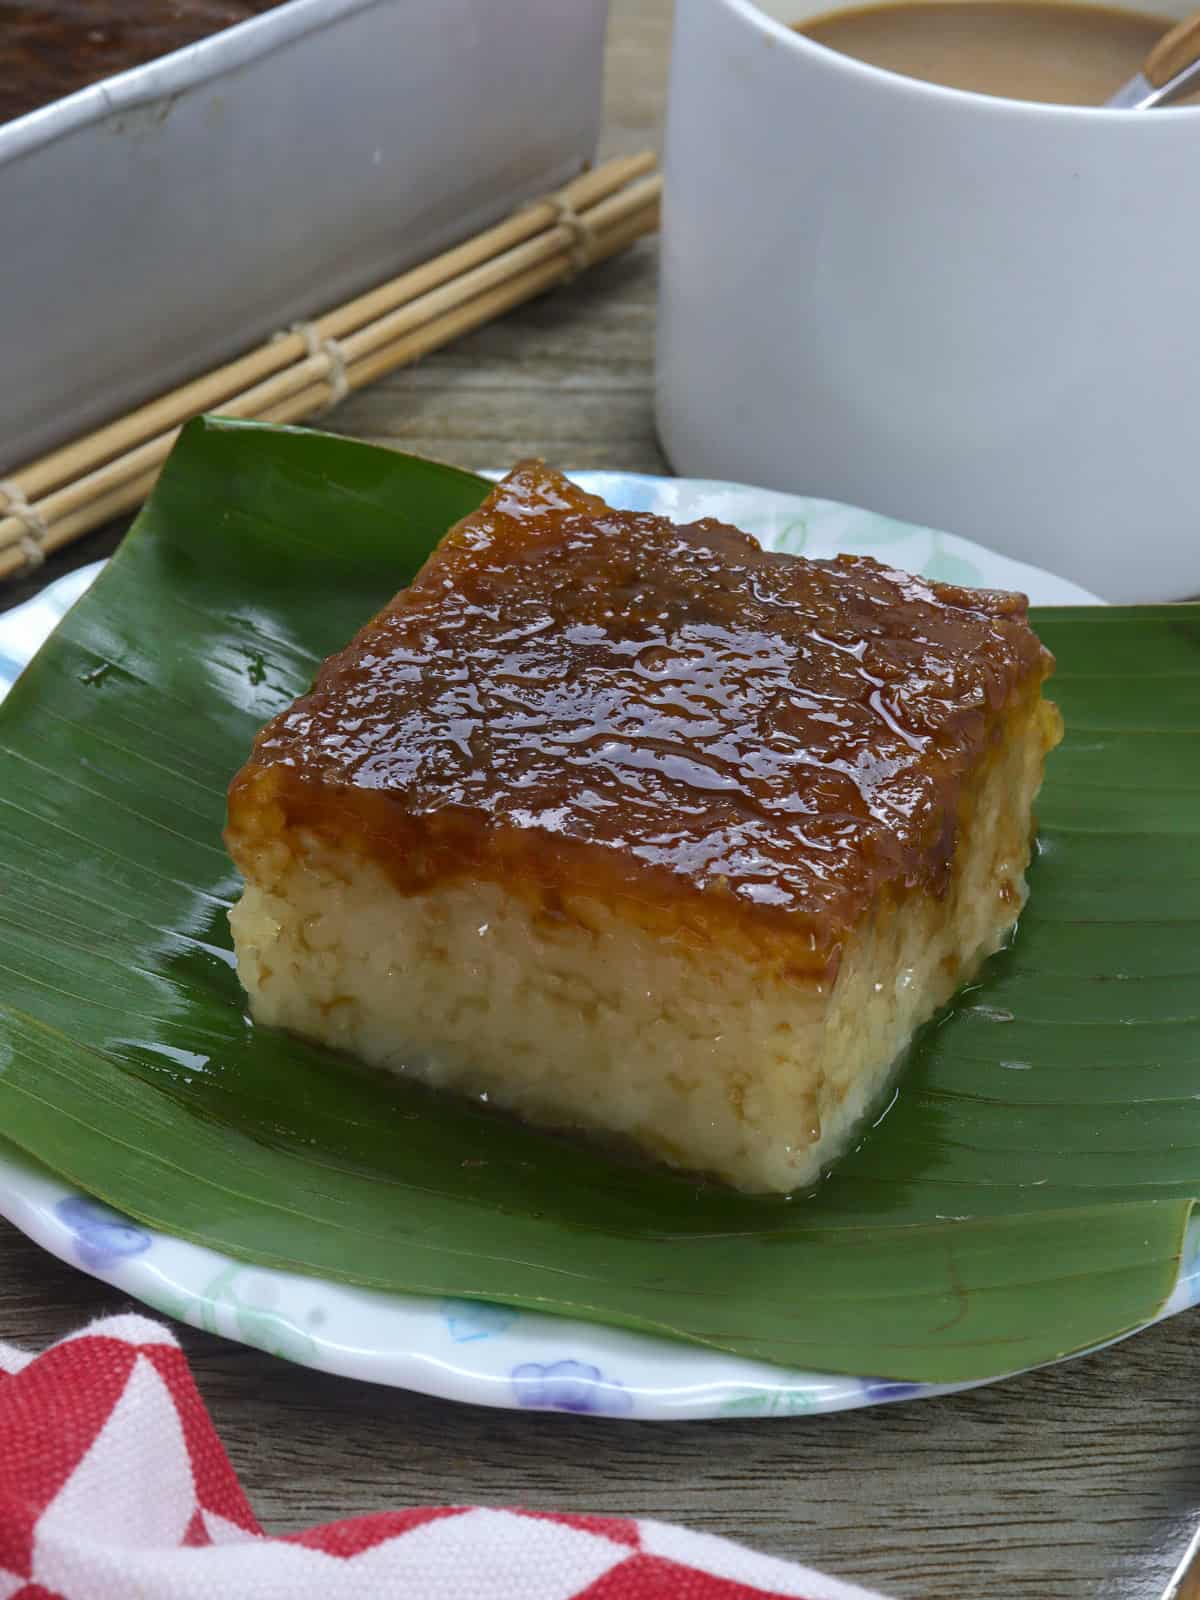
[974, 313]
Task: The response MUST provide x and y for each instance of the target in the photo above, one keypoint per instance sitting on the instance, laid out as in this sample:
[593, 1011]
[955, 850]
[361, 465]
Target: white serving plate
[463, 1350]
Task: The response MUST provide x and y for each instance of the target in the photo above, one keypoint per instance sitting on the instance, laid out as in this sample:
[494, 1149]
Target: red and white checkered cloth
[115, 1486]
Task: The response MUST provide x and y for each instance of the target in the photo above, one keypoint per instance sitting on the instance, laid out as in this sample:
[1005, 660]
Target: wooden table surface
[1081, 1480]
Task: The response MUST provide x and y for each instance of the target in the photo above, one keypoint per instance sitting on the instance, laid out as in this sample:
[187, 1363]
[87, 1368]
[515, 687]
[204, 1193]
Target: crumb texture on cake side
[643, 831]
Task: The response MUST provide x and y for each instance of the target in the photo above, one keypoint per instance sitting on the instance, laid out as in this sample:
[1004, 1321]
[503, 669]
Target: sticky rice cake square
[639, 829]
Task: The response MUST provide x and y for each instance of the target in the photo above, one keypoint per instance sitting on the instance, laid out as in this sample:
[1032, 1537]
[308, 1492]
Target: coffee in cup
[1065, 54]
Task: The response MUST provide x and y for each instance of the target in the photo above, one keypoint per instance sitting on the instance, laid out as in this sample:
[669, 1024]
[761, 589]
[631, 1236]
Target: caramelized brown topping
[601, 700]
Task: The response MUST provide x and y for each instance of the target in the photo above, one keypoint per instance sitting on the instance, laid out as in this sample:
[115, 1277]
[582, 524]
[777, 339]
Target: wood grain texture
[1082, 1480]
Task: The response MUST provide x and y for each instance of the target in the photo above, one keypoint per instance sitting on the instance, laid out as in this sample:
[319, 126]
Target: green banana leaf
[1026, 1196]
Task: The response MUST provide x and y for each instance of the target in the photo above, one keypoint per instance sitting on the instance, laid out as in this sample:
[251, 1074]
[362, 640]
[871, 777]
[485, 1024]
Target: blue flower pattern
[103, 1237]
[879, 1390]
[467, 1320]
[570, 1386]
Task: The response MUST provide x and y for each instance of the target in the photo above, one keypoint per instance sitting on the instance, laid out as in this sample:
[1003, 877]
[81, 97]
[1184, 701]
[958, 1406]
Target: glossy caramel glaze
[600, 701]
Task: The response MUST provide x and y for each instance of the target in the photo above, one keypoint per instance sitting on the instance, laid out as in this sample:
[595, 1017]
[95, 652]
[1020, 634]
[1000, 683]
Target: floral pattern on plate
[102, 1236]
[570, 1386]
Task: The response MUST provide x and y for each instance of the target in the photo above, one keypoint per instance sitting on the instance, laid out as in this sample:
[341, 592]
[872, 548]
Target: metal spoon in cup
[1171, 68]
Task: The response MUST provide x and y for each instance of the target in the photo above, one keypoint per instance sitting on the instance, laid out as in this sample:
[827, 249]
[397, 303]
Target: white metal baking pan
[158, 222]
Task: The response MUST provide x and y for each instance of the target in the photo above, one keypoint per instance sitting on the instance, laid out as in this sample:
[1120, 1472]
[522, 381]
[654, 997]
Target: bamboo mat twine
[304, 370]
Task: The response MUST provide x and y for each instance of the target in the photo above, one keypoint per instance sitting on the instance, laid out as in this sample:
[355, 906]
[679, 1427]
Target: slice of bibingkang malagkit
[640, 830]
